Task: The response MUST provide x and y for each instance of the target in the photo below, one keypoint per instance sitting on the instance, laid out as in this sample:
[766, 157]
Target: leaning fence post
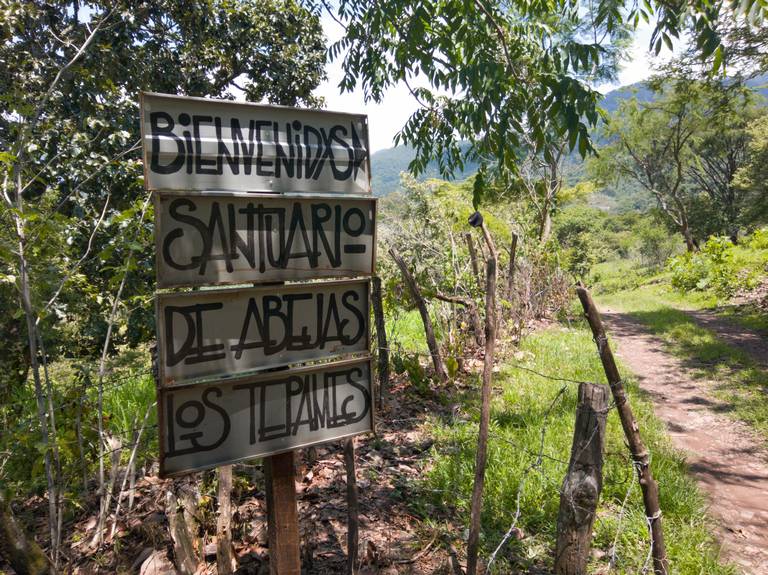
[640, 455]
[473, 258]
[583, 482]
[413, 288]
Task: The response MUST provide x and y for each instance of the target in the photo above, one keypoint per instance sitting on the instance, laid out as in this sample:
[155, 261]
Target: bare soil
[725, 456]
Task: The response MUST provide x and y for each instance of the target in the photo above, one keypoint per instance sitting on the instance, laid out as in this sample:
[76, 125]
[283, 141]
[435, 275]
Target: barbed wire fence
[535, 464]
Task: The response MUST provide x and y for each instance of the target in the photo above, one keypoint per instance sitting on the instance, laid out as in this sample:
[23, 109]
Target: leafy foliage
[74, 149]
[494, 72]
[720, 267]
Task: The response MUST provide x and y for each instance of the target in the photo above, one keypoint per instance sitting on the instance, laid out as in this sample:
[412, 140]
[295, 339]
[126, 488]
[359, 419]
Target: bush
[720, 267]
[758, 240]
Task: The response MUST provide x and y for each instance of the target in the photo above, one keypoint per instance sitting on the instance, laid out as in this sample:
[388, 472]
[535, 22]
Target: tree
[651, 144]
[71, 180]
[720, 150]
[752, 177]
[488, 73]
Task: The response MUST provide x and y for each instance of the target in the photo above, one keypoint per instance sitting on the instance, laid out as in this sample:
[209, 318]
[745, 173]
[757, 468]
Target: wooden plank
[204, 425]
[210, 334]
[225, 239]
[220, 145]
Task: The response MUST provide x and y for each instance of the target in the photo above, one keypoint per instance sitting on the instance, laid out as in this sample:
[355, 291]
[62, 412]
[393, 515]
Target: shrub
[720, 267]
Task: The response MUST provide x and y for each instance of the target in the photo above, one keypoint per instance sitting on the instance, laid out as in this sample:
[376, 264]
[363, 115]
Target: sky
[386, 119]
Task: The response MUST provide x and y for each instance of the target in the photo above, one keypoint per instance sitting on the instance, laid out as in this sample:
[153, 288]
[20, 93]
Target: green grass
[129, 391]
[748, 316]
[739, 380]
[520, 414]
[405, 330]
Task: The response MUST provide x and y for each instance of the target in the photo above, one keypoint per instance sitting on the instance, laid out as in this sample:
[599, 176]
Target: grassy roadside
[533, 415]
[739, 380]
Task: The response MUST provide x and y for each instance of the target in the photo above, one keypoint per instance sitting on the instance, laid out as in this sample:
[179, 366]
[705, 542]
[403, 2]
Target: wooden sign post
[282, 515]
[250, 194]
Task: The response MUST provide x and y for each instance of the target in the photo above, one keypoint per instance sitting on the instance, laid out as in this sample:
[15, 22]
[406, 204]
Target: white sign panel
[203, 144]
[219, 333]
[217, 239]
[206, 425]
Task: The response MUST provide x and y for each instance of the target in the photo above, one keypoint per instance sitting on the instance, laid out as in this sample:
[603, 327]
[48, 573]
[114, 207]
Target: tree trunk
[434, 349]
[481, 456]
[545, 223]
[352, 506]
[21, 551]
[224, 522]
[583, 482]
[690, 243]
[381, 337]
[473, 258]
[31, 319]
[640, 455]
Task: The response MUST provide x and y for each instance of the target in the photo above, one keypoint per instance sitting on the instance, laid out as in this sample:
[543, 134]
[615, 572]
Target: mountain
[387, 164]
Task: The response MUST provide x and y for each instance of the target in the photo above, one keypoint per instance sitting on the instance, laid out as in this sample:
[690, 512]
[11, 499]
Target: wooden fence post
[481, 455]
[352, 506]
[583, 482]
[224, 522]
[473, 258]
[282, 515]
[434, 349]
[640, 455]
[381, 337]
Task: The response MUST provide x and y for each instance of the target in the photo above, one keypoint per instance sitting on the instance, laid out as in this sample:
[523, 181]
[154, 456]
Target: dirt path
[723, 454]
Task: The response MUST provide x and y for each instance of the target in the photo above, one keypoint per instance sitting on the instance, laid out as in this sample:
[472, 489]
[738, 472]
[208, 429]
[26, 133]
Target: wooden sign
[220, 238]
[220, 145]
[221, 333]
[206, 425]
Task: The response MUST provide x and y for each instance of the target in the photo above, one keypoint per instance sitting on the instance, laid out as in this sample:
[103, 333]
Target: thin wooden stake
[434, 349]
[282, 515]
[473, 258]
[352, 507]
[381, 337]
[640, 455]
[224, 522]
[511, 272]
[481, 456]
[583, 482]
